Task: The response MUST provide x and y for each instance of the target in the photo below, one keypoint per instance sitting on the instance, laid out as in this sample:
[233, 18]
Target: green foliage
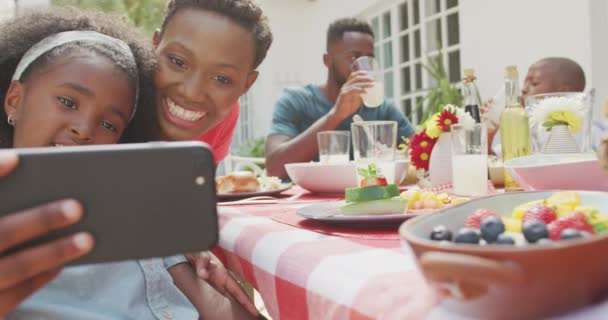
[145, 14]
[371, 172]
[253, 148]
[442, 93]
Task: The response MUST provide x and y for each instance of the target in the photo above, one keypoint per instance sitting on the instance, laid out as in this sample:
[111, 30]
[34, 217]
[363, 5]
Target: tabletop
[307, 270]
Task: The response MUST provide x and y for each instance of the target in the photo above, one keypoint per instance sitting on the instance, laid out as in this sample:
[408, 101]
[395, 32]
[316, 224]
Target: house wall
[494, 33]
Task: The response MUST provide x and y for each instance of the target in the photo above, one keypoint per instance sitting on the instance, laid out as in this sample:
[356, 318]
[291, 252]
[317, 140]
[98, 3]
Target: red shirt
[219, 137]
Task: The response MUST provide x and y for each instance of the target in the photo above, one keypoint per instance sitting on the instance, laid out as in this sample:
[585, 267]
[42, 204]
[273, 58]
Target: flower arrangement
[421, 144]
[554, 111]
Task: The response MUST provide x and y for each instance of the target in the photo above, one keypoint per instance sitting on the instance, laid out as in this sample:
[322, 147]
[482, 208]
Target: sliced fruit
[429, 195]
[444, 198]
[540, 212]
[520, 211]
[377, 181]
[474, 220]
[371, 193]
[564, 201]
[371, 176]
[457, 200]
[376, 207]
[589, 211]
[574, 220]
[412, 195]
[512, 224]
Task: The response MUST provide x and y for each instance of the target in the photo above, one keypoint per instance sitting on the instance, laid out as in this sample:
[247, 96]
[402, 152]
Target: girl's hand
[208, 267]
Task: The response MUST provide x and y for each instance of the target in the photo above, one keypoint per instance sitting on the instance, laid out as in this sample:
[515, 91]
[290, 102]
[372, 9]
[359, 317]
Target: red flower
[420, 158]
[422, 141]
[421, 146]
[446, 119]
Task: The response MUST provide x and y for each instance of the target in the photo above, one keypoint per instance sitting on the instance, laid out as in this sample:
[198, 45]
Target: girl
[81, 87]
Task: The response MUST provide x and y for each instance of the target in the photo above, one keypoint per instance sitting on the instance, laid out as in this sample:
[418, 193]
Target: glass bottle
[514, 125]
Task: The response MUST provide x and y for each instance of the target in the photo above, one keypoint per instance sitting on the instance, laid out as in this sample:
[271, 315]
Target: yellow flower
[433, 130]
[566, 117]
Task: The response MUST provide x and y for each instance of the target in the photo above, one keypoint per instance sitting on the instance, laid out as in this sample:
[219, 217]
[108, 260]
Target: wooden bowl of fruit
[523, 255]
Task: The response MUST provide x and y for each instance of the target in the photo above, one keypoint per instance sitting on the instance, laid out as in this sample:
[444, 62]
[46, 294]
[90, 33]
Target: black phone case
[140, 200]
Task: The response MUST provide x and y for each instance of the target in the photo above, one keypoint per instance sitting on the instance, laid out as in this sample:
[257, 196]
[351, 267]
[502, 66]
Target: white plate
[323, 212]
[241, 195]
[333, 178]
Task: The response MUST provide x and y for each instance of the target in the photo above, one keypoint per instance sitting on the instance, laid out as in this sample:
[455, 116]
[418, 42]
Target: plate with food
[245, 184]
[380, 202]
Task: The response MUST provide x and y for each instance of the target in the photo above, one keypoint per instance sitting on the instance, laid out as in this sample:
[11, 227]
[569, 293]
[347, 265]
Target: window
[408, 32]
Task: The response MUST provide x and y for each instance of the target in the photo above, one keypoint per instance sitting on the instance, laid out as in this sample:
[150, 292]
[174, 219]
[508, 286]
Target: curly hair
[336, 30]
[243, 12]
[19, 34]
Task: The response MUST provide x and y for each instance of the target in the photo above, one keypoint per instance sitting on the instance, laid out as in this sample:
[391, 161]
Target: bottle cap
[511, 72]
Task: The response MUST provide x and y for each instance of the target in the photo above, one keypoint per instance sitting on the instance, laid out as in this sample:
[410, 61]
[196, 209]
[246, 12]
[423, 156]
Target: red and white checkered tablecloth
[302, 274]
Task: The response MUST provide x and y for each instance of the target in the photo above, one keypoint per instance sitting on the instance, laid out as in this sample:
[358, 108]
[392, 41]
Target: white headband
[58, 39]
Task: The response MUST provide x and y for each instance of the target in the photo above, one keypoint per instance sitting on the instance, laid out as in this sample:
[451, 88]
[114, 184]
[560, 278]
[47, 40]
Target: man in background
[548, 75]
[302, 112]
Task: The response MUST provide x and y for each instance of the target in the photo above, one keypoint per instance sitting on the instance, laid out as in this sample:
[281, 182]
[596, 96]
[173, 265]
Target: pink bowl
[579, 171]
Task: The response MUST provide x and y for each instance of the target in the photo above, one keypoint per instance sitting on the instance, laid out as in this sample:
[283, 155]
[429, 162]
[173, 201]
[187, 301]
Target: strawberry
[540, 212]
[474, 220]
[575, 220]
[375, 181]
[371, 176]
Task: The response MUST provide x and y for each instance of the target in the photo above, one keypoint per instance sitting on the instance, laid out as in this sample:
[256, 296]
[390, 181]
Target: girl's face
[79, 99]
[204, 65]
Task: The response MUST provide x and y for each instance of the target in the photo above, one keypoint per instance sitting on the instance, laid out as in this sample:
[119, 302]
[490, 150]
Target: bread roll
[237, 182]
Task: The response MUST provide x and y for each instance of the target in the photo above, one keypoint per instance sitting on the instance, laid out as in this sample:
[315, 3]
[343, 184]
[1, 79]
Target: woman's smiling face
[205, 63]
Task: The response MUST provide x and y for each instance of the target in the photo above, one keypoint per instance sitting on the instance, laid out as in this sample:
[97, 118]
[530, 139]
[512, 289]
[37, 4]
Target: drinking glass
[334, 146]
[375, 142]
[469, 160]
[374, 96]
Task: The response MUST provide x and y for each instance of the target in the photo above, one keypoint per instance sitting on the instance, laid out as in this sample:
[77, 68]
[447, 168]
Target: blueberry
[505, 239]
[570, 233]
[441, 233]
[490, 228]
[467, 235]
[535, 230]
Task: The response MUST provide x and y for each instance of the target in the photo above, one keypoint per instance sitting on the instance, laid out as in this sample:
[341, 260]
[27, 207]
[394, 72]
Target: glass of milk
[469, 160]
[374, 96]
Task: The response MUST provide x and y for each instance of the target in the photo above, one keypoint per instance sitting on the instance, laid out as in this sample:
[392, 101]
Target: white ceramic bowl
[333, 178]
[580, 171]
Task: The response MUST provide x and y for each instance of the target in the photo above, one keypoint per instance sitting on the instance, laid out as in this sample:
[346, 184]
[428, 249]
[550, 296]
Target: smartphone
[140, 200]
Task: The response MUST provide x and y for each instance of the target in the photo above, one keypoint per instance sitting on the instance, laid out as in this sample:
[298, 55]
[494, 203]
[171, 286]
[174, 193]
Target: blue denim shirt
[133, 289]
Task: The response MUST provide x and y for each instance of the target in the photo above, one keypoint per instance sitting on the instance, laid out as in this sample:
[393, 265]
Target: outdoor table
[308, 270]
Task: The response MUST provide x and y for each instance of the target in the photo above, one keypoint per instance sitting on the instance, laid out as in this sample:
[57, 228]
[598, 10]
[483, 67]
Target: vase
[561, 140]
[440, 162]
